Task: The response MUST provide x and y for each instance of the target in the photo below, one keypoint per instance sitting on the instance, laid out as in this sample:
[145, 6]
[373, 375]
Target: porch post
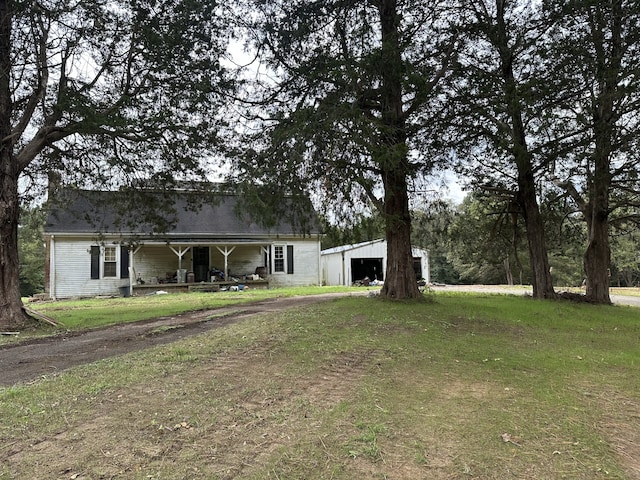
[267, 251]
[180, 253]
[226, 252]
[132, 270]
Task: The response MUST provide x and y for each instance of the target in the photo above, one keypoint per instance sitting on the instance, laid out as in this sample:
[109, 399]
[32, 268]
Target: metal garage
[347, 264]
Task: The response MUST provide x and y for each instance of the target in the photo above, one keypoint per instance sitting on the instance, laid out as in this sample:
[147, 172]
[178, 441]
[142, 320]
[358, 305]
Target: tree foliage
[364, 229]
[431, 224]
[347, 112]
[625, 255]
[595, 56]
[488, 241]
[104, 94]
[565, 232]
[31, 251]
[108, 92]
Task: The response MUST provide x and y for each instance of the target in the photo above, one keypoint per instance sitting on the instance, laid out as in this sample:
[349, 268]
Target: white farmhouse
[347, 264]
[94, 249]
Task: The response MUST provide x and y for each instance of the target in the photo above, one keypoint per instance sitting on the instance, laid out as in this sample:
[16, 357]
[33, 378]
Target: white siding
[152, 262]
[306, 265]
[242, 261]
[72, 271]
[70, 268]
[332, 269]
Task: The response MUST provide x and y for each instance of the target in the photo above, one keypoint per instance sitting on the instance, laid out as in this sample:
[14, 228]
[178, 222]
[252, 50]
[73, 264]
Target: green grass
[352, 388]
[91, 312]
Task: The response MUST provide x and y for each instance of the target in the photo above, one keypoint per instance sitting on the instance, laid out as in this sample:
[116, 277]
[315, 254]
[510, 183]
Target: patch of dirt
[335, 379]
[621, 427]
[243, 418]
[38, 358]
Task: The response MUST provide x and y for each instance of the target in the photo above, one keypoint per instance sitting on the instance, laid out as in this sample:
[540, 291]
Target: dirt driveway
[38, 358]
[35, 359]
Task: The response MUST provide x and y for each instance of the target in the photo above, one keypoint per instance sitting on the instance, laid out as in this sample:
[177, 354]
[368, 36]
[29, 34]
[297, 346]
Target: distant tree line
[482, 241]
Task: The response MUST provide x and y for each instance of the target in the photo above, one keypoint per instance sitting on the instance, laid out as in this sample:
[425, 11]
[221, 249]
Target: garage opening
[366, 267]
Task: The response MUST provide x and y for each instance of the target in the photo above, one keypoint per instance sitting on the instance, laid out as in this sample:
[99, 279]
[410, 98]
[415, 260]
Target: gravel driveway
[502, 289]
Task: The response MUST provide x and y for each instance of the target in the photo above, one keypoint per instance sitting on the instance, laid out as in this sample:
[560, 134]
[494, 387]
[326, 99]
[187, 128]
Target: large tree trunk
[541, 275]
[597, 256]
[541, 280]
[12, 316]
[400, 280]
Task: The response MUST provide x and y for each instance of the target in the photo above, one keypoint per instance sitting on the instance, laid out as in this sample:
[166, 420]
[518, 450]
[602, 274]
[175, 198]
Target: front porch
[200, 265]
[149, 289]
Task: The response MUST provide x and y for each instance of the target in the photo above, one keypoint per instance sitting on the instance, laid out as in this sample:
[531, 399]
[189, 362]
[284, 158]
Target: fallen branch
[41, 316]
[9, 333]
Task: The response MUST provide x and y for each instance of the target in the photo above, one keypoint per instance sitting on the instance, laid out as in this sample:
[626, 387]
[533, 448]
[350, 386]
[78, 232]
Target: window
[278, 258]
[107, 258]
[110, 260]
[283, 259]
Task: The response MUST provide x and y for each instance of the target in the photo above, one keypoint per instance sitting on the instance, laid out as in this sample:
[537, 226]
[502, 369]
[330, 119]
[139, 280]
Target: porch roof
[206, 241]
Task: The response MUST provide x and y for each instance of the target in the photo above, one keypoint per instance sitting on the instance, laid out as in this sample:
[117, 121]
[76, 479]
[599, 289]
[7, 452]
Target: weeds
[366, 444]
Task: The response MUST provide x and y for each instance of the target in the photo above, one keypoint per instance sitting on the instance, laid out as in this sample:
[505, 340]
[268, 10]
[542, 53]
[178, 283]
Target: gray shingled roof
[92, 212]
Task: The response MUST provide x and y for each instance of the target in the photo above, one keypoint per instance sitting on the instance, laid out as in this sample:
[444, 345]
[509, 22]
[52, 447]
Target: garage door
[366, 267]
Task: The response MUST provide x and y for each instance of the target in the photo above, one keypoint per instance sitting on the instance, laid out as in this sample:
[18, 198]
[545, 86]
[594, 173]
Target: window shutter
[95, 263]
[289, 258]
[124, 262]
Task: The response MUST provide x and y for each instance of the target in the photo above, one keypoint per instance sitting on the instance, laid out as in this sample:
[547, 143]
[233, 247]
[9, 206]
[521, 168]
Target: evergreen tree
[101, 93]
[596, 62]
[498, 117]
[346, 109]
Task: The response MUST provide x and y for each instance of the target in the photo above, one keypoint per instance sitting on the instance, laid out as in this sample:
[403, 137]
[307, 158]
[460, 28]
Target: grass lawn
[466, 386]
[91, 312]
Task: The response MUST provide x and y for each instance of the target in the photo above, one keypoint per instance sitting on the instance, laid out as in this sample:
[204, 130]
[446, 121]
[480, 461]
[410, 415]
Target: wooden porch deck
[148, 288]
